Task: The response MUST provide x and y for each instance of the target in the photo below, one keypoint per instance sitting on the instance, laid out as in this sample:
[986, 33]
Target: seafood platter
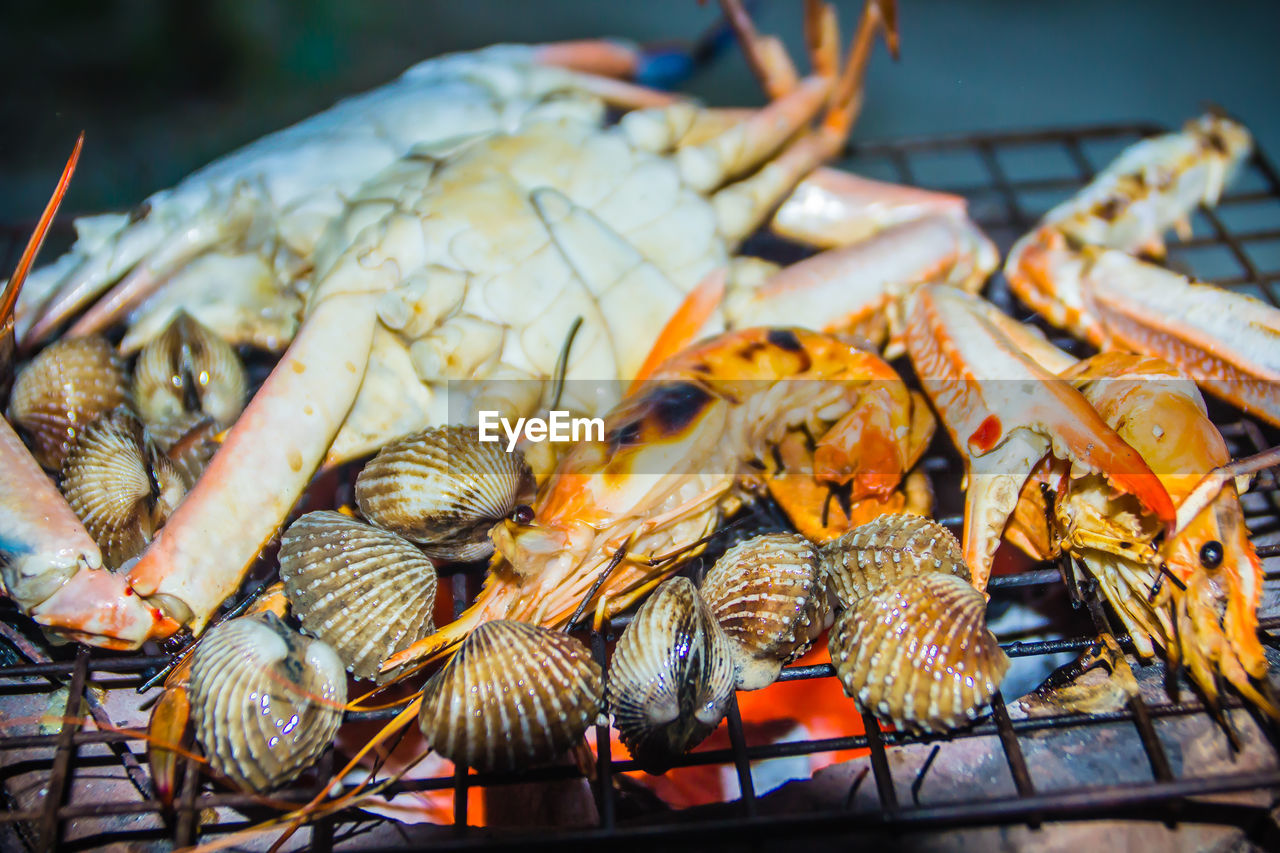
[902, 504]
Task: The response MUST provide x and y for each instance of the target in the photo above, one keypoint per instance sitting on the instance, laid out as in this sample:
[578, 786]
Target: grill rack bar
[1165, 797]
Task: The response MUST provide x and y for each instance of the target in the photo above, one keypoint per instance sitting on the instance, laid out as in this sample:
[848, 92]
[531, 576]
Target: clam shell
[918, 653]
[188, 368]
[444, 489]
[883, 551]
[66, 387]
[365, 591]
[671, 677]
[189, 440]
[770, 597]
[514, 695]
[120, 485]
[266, 700]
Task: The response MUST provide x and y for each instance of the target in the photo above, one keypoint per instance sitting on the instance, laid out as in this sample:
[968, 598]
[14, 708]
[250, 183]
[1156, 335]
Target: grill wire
[1010, 179]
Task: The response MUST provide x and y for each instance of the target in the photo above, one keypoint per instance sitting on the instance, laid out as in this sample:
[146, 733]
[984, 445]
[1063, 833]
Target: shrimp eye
[1211, 554]
[524, 514]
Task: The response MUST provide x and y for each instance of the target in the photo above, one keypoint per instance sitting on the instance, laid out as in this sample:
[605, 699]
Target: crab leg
[198, 558]
[1227, 342]
[1076, 269]
[857, 287]
[1005, 413]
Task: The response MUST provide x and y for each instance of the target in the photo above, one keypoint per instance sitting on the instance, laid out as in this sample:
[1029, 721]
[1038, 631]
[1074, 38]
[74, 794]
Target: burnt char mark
[675, 405]
[785, 339]
[623, 435]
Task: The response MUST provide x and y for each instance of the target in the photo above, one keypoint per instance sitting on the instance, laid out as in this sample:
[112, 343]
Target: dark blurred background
[163, 87]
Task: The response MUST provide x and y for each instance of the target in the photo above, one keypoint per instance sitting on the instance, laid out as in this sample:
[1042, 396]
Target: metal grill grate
[1010, 179]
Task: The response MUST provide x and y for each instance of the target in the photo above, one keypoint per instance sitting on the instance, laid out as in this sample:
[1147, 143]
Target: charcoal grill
[1010, 179]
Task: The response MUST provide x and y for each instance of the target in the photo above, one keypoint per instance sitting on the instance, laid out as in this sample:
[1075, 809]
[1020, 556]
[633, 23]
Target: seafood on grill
[912, 646]
[671, 677]
[515, 695]
[1125, 510]
[122, 476]
[1078, 268]
[444, 489]
[616, 224]
[769, 596]
[49, 563]
[365, 591]
[677, 455]
[918, 653]
[265, 700]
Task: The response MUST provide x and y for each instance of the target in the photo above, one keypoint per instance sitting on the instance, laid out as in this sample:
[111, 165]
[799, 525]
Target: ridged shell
[514, 695]
[66, 387]
[365, 591]
[918, 653]
[883, 551]
[266, 700]
[188, 368]
[444, 489]
[769, 596]
[671, 677]
[120, 485]
[189, 440]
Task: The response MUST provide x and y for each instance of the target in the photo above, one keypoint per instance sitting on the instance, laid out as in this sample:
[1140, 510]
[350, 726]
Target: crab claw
[1005, 412]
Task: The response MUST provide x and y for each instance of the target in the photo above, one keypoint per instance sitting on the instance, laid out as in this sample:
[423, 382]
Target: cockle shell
[66, 387]
[918, 653]
[365, 591]
[186, 369]
[671, 677]
[189, 441]
[886, 550]
[120, 485]
[444, 489]
[514, 695]
[769, 595]
[266, 700]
